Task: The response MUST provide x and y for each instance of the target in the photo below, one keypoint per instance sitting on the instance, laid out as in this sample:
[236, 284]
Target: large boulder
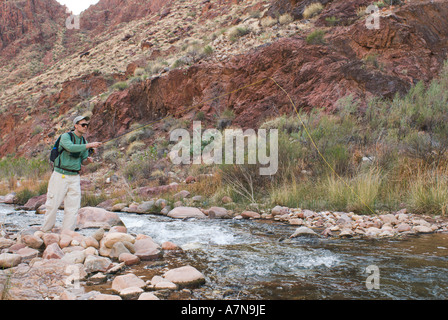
[186, 212]
[91, 217]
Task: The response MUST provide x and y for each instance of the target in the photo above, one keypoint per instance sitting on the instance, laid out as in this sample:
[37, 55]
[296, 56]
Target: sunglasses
[84, 125]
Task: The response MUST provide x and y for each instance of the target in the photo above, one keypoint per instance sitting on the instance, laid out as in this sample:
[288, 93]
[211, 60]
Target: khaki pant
[65, 188]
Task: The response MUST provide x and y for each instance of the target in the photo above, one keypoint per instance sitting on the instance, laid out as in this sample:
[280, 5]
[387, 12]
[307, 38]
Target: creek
[255, 259]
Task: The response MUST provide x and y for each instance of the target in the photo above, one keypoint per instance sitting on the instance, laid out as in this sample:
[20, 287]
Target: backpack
[55, 151]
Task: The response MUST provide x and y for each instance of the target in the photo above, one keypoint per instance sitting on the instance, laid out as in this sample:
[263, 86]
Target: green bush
[237, 32]
[122, 85]
[24, 195]
[316, 37]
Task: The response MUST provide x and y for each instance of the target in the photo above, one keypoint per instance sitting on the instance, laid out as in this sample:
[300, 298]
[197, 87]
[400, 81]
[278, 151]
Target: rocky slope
[161, 48]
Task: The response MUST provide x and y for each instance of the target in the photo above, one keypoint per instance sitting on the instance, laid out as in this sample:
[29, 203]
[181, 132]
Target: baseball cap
[79, 118]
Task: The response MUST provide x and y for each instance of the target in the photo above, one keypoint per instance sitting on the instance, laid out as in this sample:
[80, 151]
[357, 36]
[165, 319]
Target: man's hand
[87, 161]
[93, 145]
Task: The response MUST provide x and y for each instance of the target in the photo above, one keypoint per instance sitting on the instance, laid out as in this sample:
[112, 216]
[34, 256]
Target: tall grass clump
[312, 10]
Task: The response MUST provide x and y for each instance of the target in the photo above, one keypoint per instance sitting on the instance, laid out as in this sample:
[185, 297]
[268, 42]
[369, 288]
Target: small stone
[129, 259]
[165, 285]
[32, 241]
[131, 293]
[6, 243]
[279, 210]
[181, 195]
[148, 296]
[156, 279]
[50, 238]
[102, 296]
[116, 267]
[99, 234]
[53, 251]
[226, 199]
[117, 250]
[373, 232]
[95, 263]
[160, 203]
[112, 237]
[422, 229]
[250, 215]
[98, 278]
[346, 233]
[65, 240]
[118, 207]
[168, 245]
[403, 227]
[74, 257]
[91, 242]
[296, 222]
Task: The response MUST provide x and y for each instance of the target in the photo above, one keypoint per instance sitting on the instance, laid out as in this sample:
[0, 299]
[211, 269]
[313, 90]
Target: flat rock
[28, 253]
[186, 212]
[131, 293]
[185, 276]
[102, 296]
[148, 296]
[165, 285]
[422, 229]
[250, 215]
[127, 281]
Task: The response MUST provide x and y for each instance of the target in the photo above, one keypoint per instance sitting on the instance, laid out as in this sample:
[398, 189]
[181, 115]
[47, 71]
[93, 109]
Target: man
[64, 184]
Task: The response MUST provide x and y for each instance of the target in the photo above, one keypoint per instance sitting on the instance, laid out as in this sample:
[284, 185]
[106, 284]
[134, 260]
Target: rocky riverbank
[56, 265]
[37, 265]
